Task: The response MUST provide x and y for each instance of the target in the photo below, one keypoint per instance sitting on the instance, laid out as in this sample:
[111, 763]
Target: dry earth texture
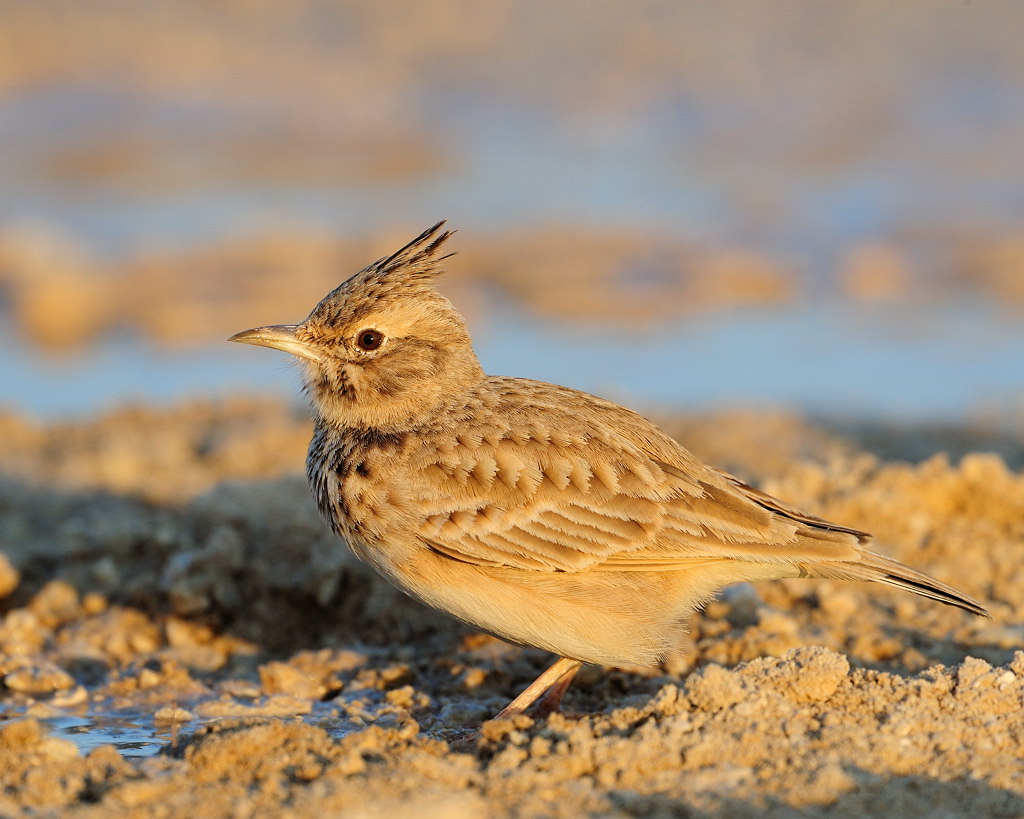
[167, 568]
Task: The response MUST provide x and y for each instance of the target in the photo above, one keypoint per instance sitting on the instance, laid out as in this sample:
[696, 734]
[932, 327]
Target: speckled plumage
[541, 514]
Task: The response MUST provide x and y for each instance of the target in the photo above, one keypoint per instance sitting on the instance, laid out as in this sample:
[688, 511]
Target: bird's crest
[413, 266]
[418, 260]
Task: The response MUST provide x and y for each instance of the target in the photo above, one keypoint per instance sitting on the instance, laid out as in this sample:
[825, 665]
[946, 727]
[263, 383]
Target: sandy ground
[253, 101]
[166, 569]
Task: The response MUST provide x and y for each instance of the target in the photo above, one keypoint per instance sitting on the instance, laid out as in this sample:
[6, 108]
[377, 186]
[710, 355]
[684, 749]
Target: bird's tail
[882, 569]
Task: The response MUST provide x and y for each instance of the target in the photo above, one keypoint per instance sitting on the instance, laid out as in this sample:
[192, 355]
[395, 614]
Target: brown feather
[538, 513]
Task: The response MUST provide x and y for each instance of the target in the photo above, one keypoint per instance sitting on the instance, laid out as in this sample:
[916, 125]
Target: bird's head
[384, 349]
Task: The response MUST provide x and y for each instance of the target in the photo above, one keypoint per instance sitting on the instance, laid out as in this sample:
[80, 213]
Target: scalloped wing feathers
[613, 494]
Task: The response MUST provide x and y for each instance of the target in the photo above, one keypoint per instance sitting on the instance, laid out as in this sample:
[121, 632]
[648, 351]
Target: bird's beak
[280, 337]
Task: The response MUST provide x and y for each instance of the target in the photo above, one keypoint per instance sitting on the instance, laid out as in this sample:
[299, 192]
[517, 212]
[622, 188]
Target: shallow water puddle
[133, 734]
[137, 735]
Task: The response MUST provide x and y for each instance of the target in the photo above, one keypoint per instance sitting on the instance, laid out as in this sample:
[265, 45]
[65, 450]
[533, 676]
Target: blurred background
[815, 206]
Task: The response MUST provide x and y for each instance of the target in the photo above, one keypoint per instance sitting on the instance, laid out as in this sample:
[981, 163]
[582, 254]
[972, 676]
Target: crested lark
[540, 514]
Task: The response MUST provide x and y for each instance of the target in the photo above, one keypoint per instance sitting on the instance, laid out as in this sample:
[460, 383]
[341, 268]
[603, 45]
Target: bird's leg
[552, 700]
[556, 678]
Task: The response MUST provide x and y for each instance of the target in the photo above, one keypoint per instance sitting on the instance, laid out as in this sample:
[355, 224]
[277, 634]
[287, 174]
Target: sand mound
[169, 590]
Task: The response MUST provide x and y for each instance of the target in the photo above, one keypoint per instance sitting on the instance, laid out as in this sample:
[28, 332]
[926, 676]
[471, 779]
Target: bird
[540, 514]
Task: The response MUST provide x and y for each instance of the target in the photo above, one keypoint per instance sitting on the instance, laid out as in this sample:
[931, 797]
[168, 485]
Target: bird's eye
[369, 339]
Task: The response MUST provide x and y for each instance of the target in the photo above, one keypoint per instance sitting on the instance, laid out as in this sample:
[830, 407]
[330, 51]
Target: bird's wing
[606, 490]
[537, 498]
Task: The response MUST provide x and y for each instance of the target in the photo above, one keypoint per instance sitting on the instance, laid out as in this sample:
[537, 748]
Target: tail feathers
[881, 569]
